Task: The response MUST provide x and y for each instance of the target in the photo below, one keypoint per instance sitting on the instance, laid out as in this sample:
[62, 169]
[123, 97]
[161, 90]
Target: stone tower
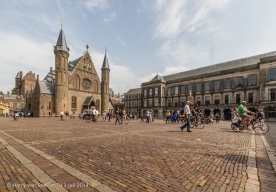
[105, 84]
[61, 73]
[18, 85]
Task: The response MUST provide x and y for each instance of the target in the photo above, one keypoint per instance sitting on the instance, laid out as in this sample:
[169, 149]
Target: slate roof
[105, 62]
[50, 77]
[133, 91]
[46, 88]
[62, 41]
[157, 77]
[88, 100]
[18, 75]
[73, 64]
[219, 67]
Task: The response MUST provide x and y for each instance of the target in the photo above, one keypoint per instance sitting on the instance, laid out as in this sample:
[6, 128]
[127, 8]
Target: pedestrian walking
[66, 114]
[124, 116]
[187, 113]
[217, 117]
[178, 115]
[147, 114]
[168, 116]
[117, 113]
[104, 116]
[61, 115]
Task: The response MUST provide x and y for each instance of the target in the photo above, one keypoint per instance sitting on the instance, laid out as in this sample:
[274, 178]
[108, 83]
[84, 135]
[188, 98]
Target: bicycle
[200, 122]
[92, 118]
[257, 124]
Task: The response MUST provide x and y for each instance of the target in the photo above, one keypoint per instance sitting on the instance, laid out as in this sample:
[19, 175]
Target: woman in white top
[104, 116]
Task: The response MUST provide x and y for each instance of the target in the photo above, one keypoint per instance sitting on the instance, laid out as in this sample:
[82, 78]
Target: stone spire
[105, 62]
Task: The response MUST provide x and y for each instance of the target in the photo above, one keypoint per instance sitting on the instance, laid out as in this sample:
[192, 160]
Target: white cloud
[110, 18]
[92, 4]
[174, 16]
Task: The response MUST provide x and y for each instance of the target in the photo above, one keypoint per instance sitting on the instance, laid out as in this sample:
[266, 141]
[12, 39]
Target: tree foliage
[13, 91]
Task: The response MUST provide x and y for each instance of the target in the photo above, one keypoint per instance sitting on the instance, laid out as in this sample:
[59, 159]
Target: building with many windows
[132, 101]
[216, 88]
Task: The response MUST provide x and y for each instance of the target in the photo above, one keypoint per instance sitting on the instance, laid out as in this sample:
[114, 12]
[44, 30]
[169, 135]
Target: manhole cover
[63, 133]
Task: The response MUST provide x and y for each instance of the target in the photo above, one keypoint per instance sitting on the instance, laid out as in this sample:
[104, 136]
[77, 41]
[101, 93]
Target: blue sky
[142, 37]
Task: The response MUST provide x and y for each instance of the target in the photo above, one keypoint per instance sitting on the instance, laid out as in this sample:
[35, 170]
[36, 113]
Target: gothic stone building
[216, 88]
[24, 85]
[74, 86]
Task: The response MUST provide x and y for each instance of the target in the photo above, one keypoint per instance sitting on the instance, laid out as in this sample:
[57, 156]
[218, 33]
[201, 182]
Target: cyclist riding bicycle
[195, 112]
[243, 113]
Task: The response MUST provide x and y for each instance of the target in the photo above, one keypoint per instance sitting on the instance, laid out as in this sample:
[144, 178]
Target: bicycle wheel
[241, 126]
[201, 124]
[260, 127]
[192, 123]
[88, 119]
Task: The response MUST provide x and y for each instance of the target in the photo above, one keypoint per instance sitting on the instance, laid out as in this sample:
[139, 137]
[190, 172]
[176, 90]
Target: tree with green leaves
[13, 91]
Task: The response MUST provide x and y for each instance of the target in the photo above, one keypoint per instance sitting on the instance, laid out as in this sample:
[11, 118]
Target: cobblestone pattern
[271, 135]
[60, 180]
[145, 157]
[152, 157]
[265, 171]
[13, 172]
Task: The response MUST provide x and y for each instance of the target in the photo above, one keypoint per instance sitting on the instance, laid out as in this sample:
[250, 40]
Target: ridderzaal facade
[72, 86]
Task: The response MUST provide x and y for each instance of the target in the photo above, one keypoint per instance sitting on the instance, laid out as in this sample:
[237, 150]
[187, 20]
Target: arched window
[96, 87]
[74, 102]
[77, 82]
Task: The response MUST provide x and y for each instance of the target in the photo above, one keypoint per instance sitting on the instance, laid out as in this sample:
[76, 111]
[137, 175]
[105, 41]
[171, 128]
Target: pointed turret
[17, 76]
[105, 62]
[61, 42]
[105, 84]
[61, 73]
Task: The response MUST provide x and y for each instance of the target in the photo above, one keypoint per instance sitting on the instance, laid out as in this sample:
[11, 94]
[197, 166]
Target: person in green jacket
[243, 113]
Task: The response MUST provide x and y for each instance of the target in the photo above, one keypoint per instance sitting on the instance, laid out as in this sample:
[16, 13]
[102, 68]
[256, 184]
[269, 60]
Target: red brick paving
[139, 156]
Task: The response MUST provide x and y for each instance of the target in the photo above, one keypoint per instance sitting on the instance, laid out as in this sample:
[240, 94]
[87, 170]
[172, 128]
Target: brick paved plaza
[46, 154]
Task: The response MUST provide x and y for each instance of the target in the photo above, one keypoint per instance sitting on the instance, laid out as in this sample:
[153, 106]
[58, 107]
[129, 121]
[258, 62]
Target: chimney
[118, 95]
[21, 74]
[50, 68]
[37, 77]
[112, 94]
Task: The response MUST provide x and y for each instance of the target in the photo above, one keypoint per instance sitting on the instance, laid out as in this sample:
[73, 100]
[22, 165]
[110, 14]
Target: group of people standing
[149, 116]
[173, 116]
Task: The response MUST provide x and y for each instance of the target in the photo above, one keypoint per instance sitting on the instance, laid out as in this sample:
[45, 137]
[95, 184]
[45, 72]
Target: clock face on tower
[86, 84]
